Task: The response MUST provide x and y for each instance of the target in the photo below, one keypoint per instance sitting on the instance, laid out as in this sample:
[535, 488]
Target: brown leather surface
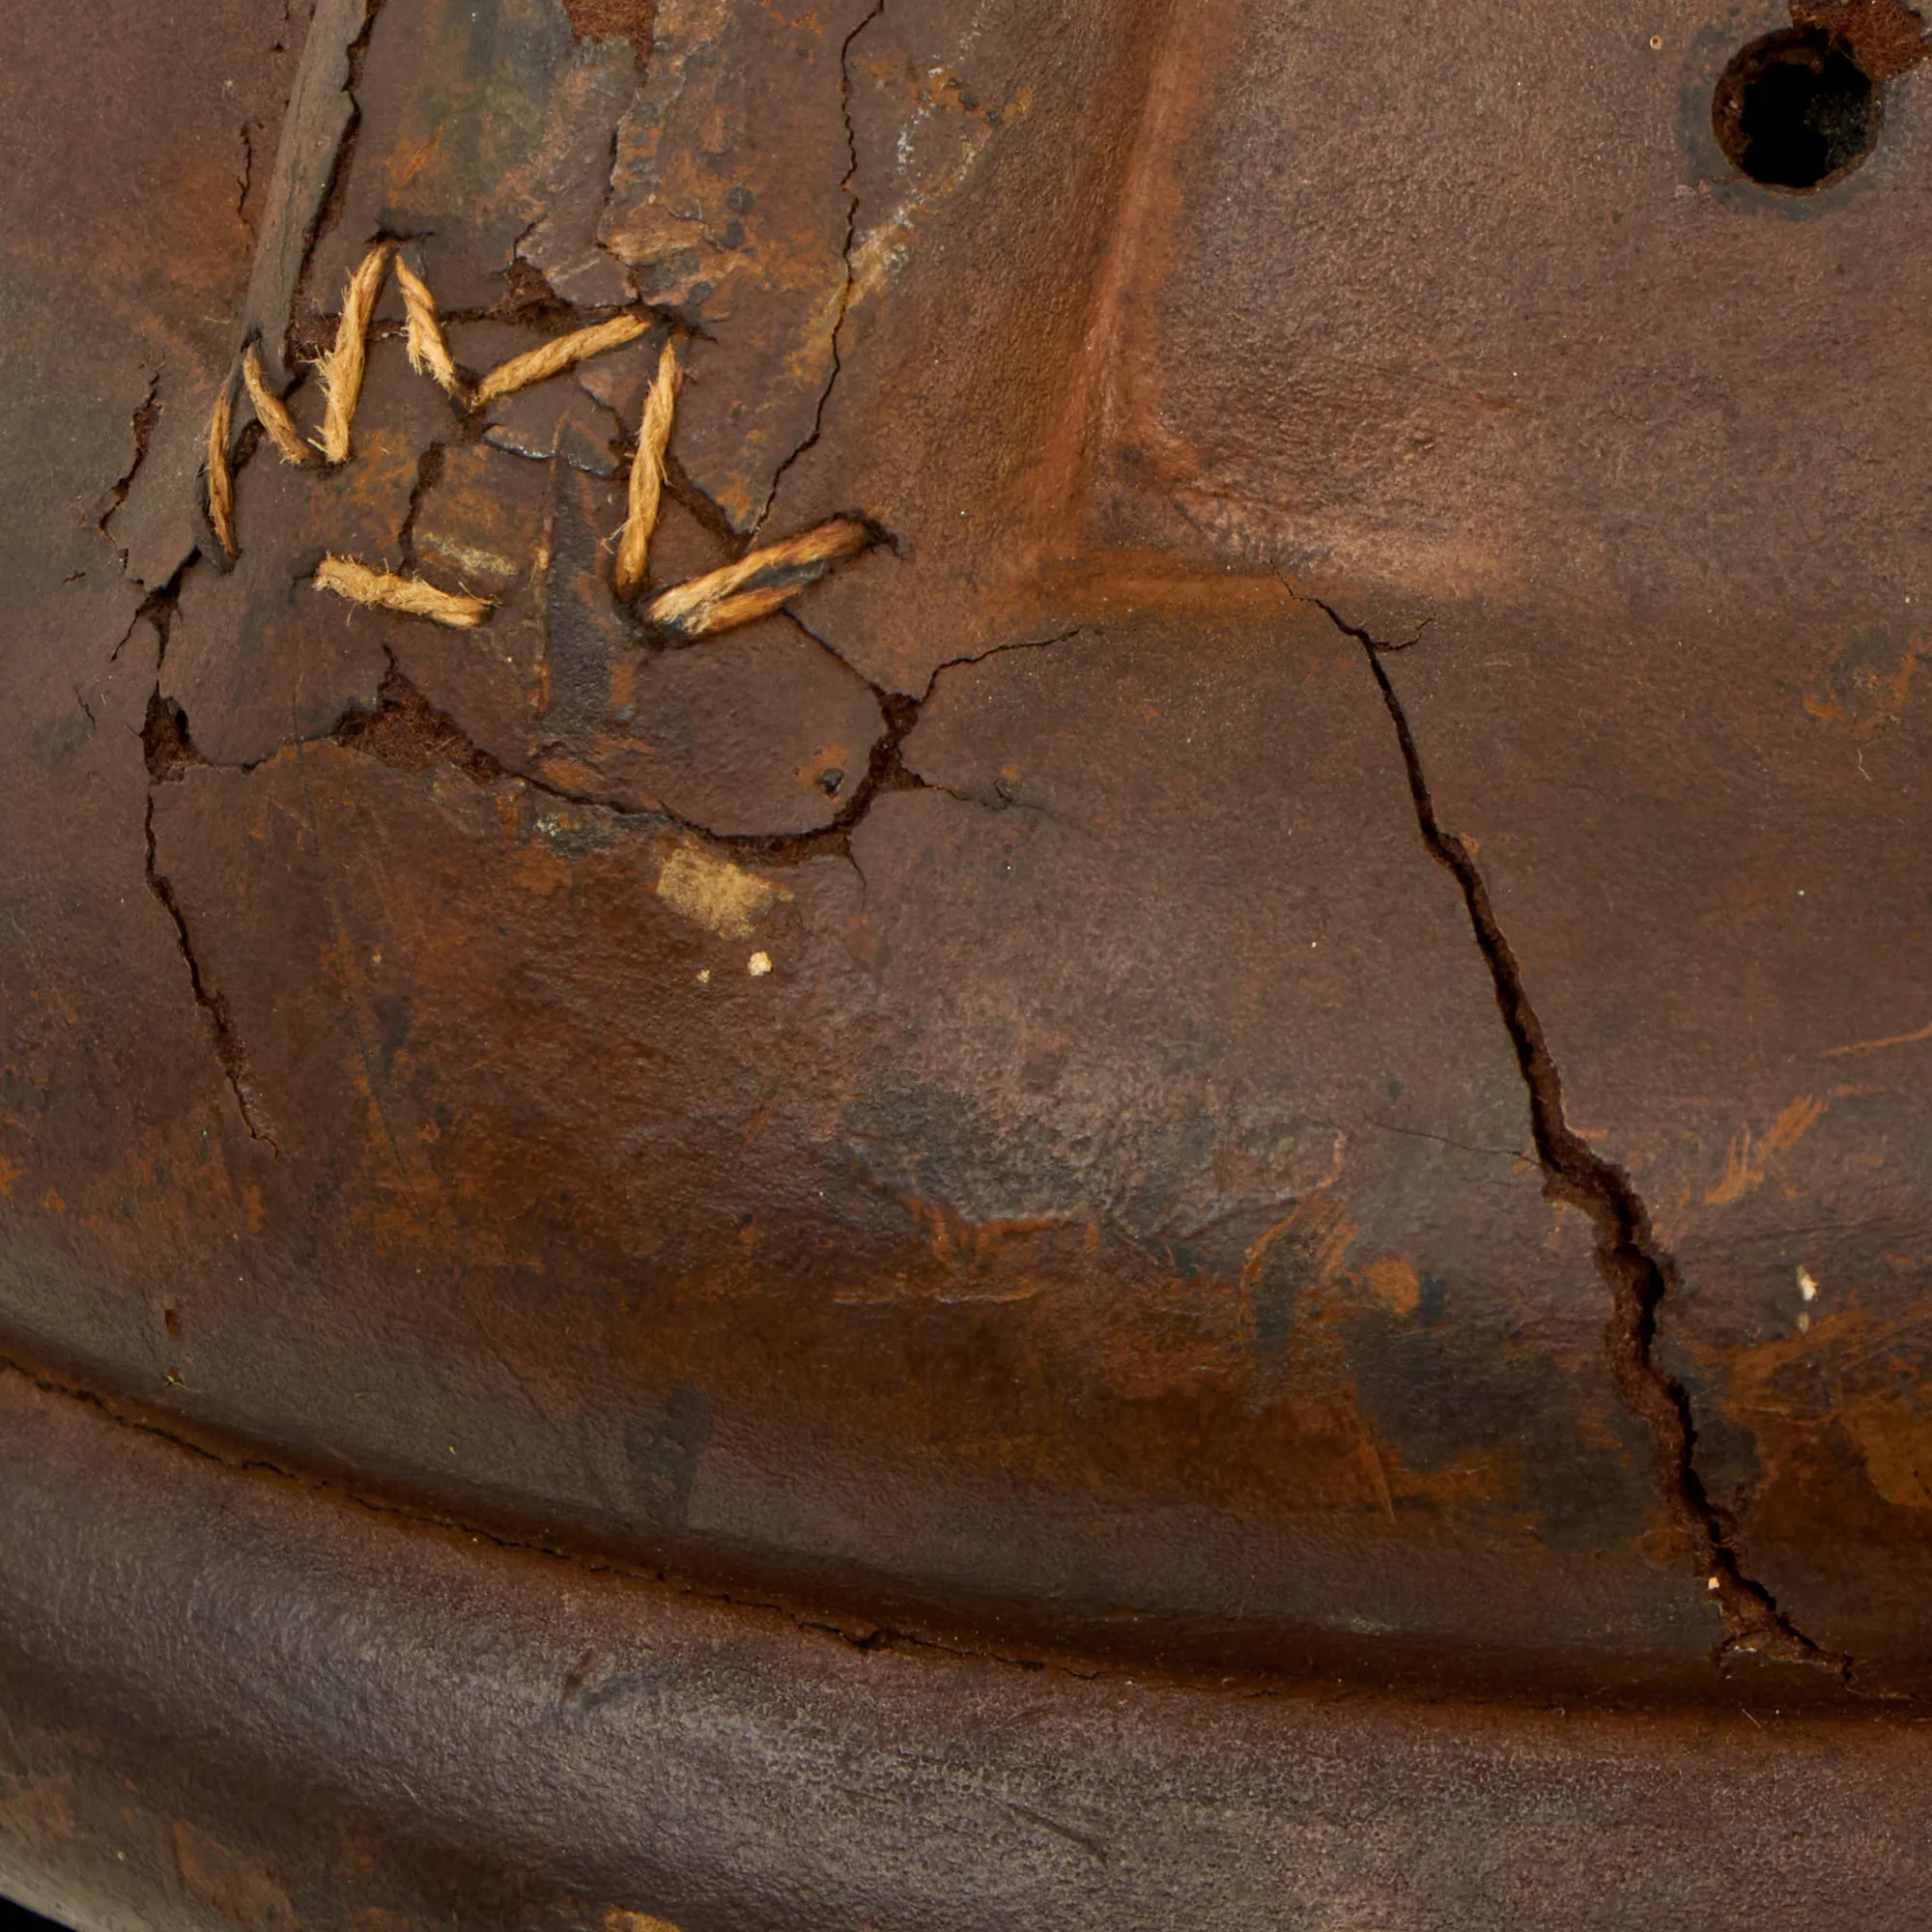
[372, 1723]
[1281, 1038]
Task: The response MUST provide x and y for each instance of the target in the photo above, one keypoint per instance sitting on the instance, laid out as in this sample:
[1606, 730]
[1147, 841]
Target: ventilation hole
[1795, 110]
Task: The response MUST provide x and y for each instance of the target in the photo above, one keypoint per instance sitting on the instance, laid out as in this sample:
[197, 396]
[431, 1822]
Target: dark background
[17, 1918]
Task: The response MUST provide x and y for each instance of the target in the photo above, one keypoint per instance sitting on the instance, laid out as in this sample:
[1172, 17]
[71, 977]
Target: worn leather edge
[295, 1712]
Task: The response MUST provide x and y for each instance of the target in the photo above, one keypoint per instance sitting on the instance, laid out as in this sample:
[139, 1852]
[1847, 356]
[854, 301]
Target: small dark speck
[700, 291]
[1395, 1090]
[733, 236]
[830, 781]
[739, 200]
[969, 101]
[1005, 790]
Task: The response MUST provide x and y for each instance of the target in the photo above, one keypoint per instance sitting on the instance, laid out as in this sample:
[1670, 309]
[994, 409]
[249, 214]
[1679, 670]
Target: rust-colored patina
[1205, 1201]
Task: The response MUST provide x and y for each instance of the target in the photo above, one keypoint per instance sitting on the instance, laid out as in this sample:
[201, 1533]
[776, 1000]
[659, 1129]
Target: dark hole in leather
[1795, 109]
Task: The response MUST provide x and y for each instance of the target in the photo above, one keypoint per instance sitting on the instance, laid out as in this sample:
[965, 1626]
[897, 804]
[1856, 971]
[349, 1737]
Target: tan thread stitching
[343, 366]
[552, 359]
[648, 475]
[429, 348]
[734, 595]
[718, 601]
[410, 595]
[746, 607]
[220, 478]
[270, 411]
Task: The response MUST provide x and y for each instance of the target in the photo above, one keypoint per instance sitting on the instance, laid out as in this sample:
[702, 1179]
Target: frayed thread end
[409, 595]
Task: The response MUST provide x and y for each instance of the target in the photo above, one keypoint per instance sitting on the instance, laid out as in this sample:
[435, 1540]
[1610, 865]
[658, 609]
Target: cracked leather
[1058, 1113]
